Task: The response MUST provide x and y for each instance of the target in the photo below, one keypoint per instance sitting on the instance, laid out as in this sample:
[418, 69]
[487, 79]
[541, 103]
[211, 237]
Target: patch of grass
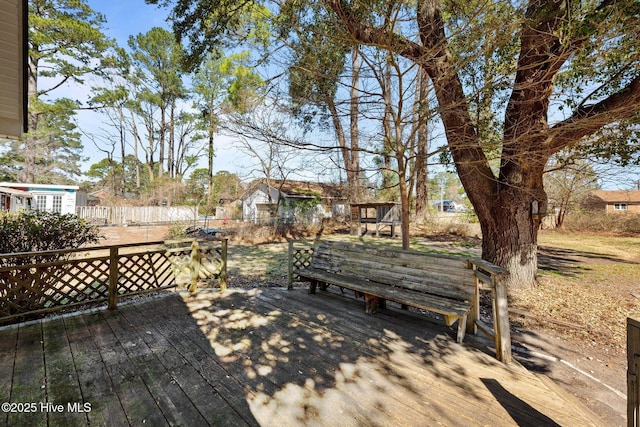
[265, 261]
[625, 248]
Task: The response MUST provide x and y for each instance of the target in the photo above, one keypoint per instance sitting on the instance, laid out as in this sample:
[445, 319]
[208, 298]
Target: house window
[57, 204]
[41, 203]
[619, 206]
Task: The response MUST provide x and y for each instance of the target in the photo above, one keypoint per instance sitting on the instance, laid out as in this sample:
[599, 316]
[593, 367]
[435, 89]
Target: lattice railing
[300, 253]
[48, 281]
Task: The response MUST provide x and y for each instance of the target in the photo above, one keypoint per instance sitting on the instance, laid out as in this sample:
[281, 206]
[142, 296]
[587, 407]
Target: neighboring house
[12, 200]
[85, 199]
[47, 197]
[613, 201]
[292, 201]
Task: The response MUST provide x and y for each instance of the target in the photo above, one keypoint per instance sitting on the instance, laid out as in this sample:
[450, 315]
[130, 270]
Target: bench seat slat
[430, 302]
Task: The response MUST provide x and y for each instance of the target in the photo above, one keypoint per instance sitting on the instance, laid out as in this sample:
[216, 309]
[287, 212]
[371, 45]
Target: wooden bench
[444, 284]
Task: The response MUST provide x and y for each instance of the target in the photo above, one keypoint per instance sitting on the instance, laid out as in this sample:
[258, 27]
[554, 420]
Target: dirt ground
[587, 362]
[134, 234]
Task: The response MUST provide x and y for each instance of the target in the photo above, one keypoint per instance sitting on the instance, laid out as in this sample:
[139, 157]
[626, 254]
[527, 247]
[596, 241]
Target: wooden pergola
[379, 213]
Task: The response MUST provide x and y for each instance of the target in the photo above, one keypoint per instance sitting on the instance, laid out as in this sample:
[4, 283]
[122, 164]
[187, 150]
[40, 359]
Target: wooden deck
[268, 357]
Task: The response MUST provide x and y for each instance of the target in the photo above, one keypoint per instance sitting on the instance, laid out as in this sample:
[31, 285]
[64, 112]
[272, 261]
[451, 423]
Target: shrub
[177, 230]
[23, 289]
[34, 231]
[628, 223]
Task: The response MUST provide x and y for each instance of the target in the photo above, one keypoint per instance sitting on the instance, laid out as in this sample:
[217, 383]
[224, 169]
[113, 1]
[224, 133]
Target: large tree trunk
[510, 235]
[172, 142]
[137, 140]
[210, 157]
[163, 131]
[405, 207]
[121, 128]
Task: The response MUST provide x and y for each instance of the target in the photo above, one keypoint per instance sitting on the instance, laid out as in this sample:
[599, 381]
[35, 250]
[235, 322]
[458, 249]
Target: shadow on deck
[266, 357]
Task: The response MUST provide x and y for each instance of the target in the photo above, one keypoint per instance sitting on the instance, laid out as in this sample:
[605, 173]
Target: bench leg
[371, 306]
[462, 327]
[471, 323]
[312, 286]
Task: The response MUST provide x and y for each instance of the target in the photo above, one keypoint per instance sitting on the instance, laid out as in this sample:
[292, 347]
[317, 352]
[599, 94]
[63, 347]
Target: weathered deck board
[172, 400]
[28, 384]
[96, 384]
[199, 394]
[268, 357]
[179, 329]
[7, 357]
[448, 363]
[376, 342]
[61, 377]
[139, 405]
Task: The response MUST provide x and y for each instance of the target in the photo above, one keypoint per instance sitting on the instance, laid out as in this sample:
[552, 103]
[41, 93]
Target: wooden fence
[123, 215]
[41, 282]
[633, 372]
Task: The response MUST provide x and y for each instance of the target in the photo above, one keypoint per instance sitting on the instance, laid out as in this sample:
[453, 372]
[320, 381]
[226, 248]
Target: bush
[590, 221]
[177, 230]
[35, 231]
[23, 289]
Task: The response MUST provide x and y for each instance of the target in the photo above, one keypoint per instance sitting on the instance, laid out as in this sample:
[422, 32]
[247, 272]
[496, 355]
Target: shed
[382, 214]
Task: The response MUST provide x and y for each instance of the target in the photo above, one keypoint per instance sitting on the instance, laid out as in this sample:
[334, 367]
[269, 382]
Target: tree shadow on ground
[569, 262]
[277, 357]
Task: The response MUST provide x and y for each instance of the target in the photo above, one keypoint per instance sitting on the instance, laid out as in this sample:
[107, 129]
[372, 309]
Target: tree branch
[375, 36]
[590, 118]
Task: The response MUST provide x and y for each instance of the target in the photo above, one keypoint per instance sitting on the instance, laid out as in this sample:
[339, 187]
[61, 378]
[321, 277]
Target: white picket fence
[125, 215]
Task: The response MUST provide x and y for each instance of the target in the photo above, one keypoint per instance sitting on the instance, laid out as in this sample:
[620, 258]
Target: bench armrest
[493, 275]
[488, 267]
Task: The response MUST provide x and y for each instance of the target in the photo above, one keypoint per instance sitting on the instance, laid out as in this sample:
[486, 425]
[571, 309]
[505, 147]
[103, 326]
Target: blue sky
[125, 18]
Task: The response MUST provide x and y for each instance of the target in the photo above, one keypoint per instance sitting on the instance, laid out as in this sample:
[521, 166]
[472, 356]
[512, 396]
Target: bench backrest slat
[437, 274]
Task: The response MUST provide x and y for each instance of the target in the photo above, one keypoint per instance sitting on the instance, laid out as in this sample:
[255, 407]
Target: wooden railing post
[290, 273]
[113, 278]
[501, 321]
[633, 372]
[223, 266]
[194, 266]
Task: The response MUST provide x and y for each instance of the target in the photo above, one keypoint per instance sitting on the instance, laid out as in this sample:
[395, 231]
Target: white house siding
[50, 198]
[254, 205]
[61, 201]
[12, 200]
